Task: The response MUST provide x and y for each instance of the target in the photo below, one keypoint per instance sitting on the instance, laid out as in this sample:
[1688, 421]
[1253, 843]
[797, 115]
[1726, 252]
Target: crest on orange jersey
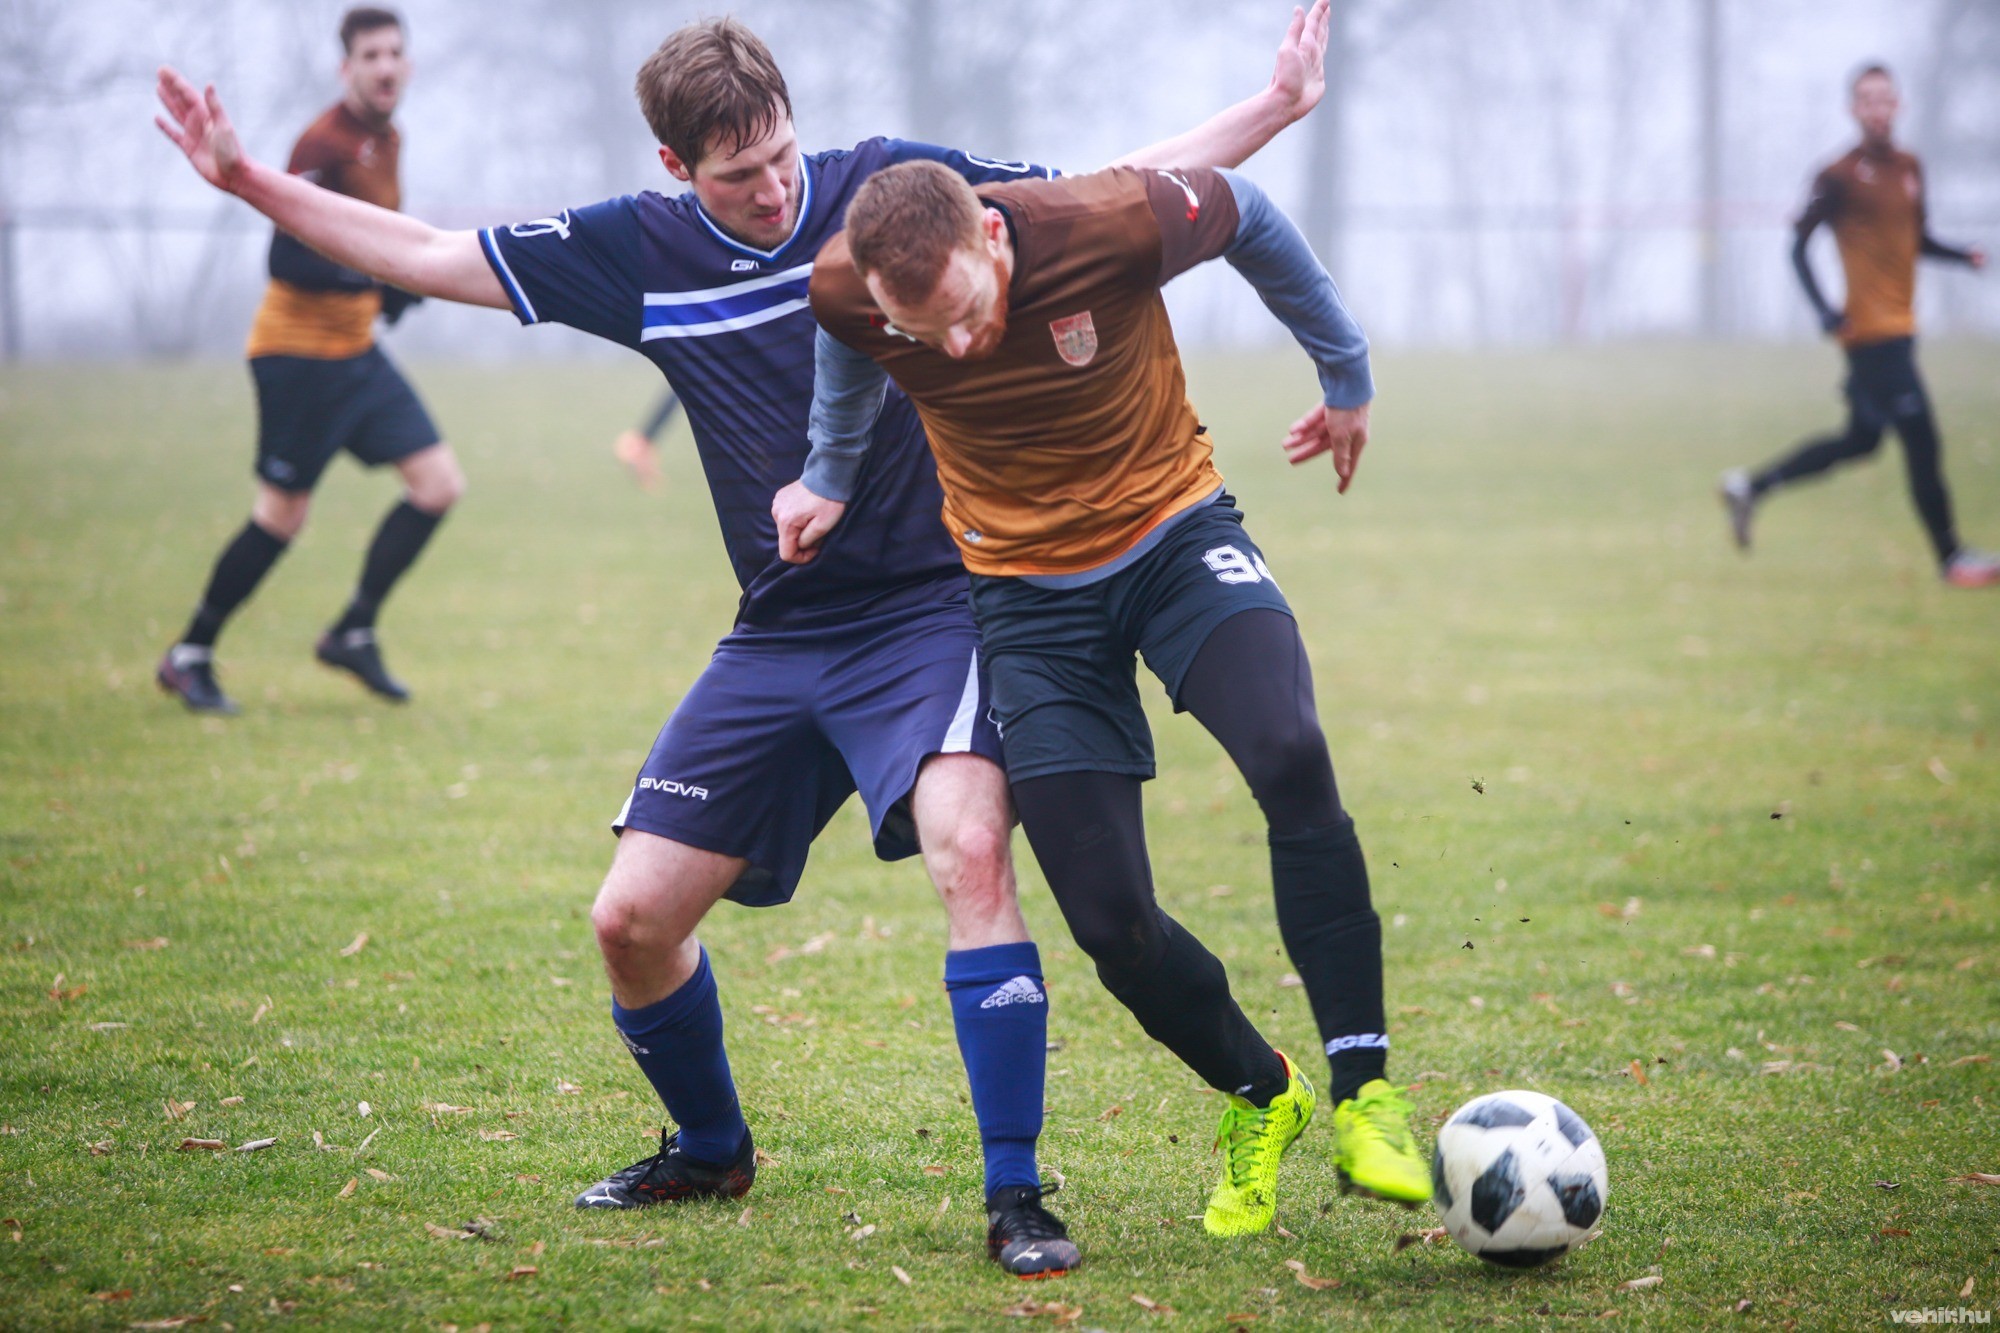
[1076, 338]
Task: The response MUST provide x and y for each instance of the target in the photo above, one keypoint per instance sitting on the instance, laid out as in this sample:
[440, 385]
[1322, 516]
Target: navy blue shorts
[309, 409]
[1064, 680]
[780, 730]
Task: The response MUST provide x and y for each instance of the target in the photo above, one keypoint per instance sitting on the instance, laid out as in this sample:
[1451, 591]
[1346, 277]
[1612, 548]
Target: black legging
[1888, 393]
[1251, 687]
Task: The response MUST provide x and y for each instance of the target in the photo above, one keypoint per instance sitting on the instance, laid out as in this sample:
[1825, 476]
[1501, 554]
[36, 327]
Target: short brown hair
[712, 85]
[365, 18]
[906, 221]
[1871, 70]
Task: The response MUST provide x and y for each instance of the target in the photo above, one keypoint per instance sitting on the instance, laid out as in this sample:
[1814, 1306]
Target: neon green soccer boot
[1373, 1147]
[1252, 1139]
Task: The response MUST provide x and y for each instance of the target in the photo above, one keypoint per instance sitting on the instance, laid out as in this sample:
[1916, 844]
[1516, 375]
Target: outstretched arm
[386, 245]
[1271, 254]
[1932, 248]
[1233, 135]
[848, 391]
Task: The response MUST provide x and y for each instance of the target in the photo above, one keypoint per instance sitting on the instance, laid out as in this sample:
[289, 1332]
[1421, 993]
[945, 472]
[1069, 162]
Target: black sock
[1320, 882]
[1923, 457]
[398, 543]
[1182, 1000]
[1088, 831]
[238, 570]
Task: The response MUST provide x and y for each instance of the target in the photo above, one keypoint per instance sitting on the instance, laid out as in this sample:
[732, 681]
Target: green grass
[1527, 592]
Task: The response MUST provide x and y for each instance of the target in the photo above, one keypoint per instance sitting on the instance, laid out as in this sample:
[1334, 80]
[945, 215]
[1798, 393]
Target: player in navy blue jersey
[858, 672]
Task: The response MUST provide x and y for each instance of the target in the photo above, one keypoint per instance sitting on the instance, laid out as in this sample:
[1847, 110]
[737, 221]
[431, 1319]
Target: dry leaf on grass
[521, 1271]
[61, 994]
[1641, 1283]
[498, 1135]
[232, 1101]
[1893, 1231]
[1743, 1306]
[1030, 1308]
[178, 1110]
[13, 1225]
[1965, 1292]
[765, 1159]
[567, 1088]
[1638, 1072]
[255, 1145]
[904, 1278]
[202, 1145]
[347, 1190]
[122, 1294]
[1974, 1178]
[1290, 981]
[1429, 1236]
[157, 942]
[862, 1233]
[934, 1170]
[109, 1027]
[446, 1108]
[177, 1321]
[360, 943]
[1307, 1280]
[101, 1148]
[262, 1009]
[1279, 1227]
[446, 1233]
[1890, 1060]
[379, 1175]
[1970, 1060]
[1112, 1112]
[1151, 1306]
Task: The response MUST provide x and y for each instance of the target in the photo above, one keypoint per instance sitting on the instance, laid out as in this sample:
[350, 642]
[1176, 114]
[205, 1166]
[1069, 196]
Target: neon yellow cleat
[1252, 1140]
[1374, 1150]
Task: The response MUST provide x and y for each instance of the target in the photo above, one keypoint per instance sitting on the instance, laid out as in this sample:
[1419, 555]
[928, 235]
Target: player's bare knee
[437, 486]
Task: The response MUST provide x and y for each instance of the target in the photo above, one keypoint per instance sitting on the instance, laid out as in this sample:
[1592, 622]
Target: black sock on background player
[238, 570]
[398, 542]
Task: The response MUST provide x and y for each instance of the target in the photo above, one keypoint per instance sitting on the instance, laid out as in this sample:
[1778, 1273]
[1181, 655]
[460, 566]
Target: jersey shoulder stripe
[723, 309]
[515, 293]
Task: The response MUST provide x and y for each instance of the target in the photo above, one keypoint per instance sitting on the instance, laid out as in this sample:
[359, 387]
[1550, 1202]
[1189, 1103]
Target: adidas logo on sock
[1021, 990]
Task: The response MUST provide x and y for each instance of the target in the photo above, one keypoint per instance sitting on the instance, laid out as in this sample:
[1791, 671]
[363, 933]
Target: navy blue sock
[678, 1045]
[1002, 1016]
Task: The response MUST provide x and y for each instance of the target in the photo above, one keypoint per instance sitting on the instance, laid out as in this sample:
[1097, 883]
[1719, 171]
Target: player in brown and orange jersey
[1026, 325]
[1874, 200]
[324, 386]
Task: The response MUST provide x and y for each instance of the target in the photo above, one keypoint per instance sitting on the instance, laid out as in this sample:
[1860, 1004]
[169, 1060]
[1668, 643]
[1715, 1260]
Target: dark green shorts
[1061, 660]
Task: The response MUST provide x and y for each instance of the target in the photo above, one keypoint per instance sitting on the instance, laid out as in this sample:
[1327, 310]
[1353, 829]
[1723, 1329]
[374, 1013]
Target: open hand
[1978, 256]
[1299, 79]
[201, 129]
[1342, 432]
[803, 519]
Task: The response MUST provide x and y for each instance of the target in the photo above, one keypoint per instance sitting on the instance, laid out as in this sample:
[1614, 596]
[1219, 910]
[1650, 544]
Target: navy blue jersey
[730, 328]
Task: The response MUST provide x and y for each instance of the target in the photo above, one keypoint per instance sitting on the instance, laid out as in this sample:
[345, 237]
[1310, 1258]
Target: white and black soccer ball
[1519, 1178]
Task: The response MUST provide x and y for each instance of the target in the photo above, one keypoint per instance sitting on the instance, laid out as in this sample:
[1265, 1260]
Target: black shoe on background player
[356, 653]
[1025, 1238]
[670, 1175]
[189, 671]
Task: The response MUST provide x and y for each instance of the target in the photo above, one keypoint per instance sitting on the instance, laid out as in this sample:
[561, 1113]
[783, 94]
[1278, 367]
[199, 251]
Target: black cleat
[1741, 501]
[670, 1175]
[189, 672]
[1025, 1238]
[355, 652]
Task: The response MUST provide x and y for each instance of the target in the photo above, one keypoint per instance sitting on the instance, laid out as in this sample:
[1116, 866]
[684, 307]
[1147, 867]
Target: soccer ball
[1519, 1178]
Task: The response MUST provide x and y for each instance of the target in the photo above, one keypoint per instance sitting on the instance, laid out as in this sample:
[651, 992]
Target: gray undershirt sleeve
[848, 391]
[1271, 254]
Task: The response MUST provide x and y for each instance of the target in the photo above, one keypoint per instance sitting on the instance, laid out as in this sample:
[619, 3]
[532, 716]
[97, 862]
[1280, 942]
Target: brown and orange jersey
[313, 307]
[1874, 200]
[1061, 450]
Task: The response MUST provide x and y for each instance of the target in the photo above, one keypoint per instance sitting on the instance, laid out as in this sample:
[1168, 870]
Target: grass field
[1691, 842]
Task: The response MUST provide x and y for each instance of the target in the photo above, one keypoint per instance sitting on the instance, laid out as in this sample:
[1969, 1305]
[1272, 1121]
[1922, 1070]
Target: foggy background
[1481, 171]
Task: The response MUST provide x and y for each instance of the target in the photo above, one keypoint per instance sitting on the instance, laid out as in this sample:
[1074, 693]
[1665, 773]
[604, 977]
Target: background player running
[1027, 326]
[324, 386]
[860, 671]
[1874, 199]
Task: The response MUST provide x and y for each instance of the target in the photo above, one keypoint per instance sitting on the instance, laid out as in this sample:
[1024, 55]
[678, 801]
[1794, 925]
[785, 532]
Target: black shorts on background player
[310, 409]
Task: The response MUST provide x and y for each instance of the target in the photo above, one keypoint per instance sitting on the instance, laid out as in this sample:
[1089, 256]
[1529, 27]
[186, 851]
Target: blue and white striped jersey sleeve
[579, 267]
[978, 170]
